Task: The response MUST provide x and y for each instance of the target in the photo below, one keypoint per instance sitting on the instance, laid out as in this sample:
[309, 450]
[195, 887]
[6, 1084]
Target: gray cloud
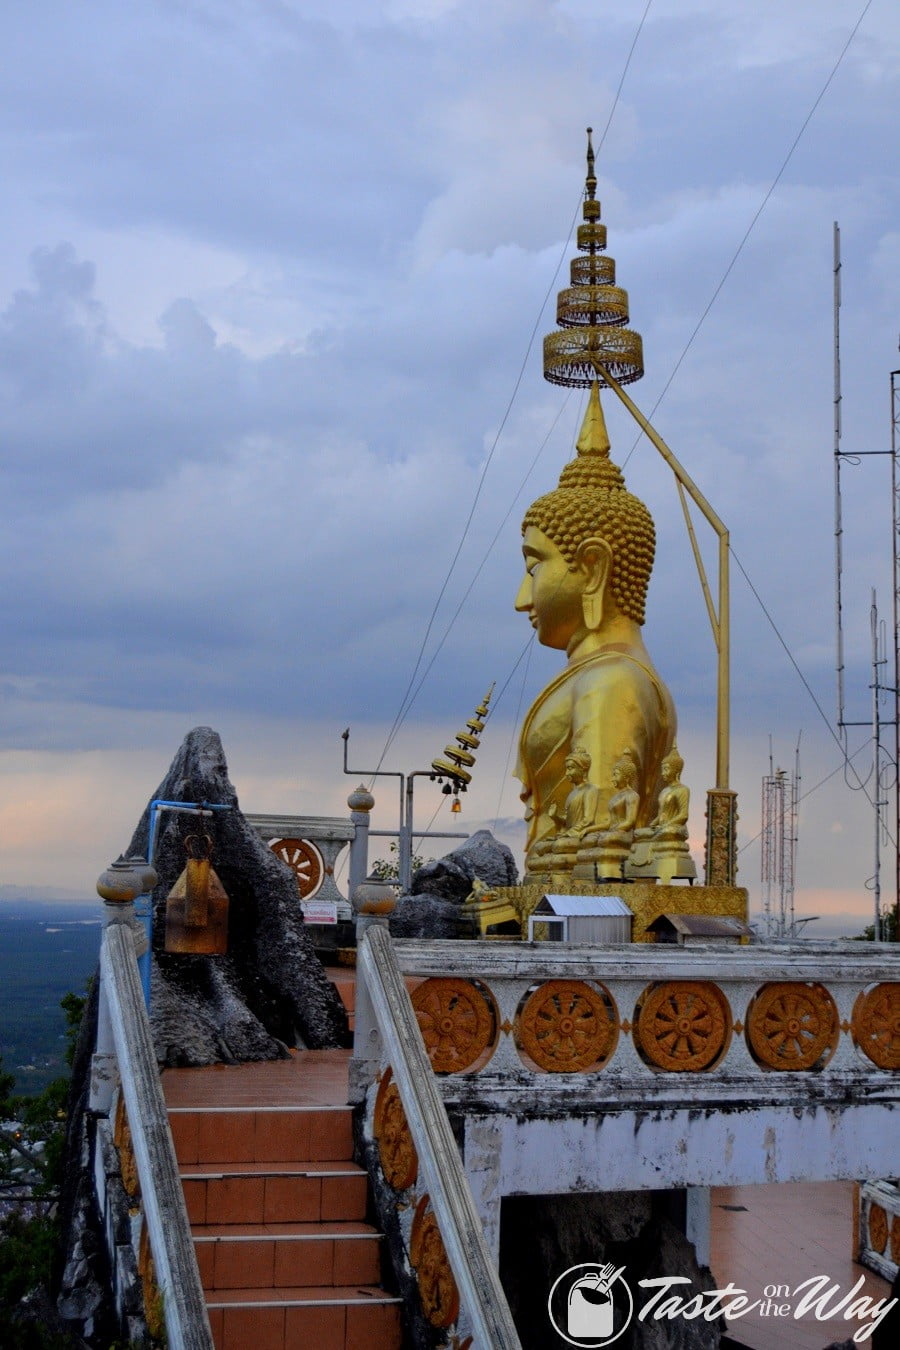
[249, 505]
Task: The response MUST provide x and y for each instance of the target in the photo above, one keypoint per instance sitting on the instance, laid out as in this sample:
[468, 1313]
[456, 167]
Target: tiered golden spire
[593, 311]
[460, 757]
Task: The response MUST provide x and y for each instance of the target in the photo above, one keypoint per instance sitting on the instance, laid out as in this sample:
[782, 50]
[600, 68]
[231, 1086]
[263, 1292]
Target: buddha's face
[551, 591]
[575, 771]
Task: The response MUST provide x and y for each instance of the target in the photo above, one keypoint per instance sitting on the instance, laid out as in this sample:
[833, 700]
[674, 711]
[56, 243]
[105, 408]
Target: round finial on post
[361, 799]
[125, 879]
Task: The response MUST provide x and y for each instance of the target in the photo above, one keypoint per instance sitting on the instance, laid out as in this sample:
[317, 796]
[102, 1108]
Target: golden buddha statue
[557, 852]
[666, 838]
[606, 851]
[588, 549]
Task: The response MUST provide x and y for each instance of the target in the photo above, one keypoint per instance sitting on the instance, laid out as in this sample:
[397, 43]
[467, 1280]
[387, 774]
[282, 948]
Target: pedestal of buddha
[588, 549]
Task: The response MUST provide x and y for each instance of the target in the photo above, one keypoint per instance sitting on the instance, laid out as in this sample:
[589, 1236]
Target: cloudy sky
[269, 275]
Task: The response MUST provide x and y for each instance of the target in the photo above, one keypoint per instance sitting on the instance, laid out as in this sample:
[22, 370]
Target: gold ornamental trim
[571, 355]
[878, 1229]
[428, 1256]
[792, 1026]
[567, 1026]
[304, 860]
[457, 1019]
[396, 1150]
[591, 304]
[683, 1025]
[876, 1025]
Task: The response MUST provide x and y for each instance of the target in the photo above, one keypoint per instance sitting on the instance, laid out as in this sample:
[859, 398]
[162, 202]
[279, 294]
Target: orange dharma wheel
[305, 862]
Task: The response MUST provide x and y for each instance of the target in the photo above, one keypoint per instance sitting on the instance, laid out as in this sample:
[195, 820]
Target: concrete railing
[125, 1043]
[646, 1017]
[446, 1229]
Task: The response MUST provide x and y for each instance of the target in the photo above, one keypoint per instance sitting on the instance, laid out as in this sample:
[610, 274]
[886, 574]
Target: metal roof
[704, 925]
[584, 906]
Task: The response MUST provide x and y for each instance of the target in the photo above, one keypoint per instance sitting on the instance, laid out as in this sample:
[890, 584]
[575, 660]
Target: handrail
[184, 1306]
[473, 1269]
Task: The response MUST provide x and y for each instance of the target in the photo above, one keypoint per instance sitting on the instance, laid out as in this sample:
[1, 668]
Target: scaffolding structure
[780, 836]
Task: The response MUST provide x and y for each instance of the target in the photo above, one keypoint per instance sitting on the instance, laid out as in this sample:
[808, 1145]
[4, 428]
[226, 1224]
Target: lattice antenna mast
[838, 520]
[780, 836]
[895, 498]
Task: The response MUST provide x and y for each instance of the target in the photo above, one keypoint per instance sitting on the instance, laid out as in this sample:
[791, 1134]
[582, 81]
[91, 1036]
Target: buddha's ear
[594, 559]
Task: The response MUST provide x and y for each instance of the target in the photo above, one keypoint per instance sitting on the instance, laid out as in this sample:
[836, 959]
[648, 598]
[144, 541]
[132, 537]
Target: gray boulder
[451, 877]
[270, 991]
[431, 909]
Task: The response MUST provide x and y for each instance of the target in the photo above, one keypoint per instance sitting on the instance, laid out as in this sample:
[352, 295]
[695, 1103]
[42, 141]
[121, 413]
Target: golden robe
[606, 703]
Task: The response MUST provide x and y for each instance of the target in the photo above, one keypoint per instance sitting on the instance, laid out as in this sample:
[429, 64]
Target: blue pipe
[143, 905]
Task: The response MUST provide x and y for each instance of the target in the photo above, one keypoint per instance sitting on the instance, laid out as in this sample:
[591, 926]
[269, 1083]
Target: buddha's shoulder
[616, 671]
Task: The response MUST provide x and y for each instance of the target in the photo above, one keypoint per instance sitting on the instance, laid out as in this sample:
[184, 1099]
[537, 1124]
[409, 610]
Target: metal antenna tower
[780, 836]
[879, 659]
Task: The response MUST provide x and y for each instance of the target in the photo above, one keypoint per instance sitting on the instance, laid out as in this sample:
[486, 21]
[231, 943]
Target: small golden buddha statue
[607, 850]
[557, 852]
[588, 549]
[669, 853]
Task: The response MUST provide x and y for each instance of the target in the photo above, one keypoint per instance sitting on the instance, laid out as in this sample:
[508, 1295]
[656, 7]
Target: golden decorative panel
[683, 1025]
[876, 1025]
[458, 1021]
[428, 1256]
[127, 1160]
[396, 1150]
[791, 1026]
[721, 837]
[566, 1026]
[878, 1228]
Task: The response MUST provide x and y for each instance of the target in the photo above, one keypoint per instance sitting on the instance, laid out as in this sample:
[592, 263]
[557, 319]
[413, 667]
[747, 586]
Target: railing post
[360, 802]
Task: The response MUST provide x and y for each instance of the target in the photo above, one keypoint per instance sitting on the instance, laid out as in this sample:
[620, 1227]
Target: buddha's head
[624, 773]
[578, 763]
[672, 766]
[588, 545]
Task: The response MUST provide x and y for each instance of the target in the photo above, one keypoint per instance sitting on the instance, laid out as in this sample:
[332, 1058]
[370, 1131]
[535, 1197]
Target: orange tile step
[274, 1192]
[247, 1256]
[347, 1318]
[229, 1134]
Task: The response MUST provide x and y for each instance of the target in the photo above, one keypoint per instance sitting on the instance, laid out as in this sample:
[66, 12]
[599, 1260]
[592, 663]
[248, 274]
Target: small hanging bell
[197, 905]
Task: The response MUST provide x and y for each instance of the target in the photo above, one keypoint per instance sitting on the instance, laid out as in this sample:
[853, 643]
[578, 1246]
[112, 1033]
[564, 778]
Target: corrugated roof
[705, 925]
[574, 906]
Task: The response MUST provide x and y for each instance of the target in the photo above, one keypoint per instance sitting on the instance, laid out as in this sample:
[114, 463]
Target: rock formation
[438, 889]
[270, 991]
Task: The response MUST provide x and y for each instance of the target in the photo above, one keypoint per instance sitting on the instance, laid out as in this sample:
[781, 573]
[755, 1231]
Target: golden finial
[590, 183]
[592, 312]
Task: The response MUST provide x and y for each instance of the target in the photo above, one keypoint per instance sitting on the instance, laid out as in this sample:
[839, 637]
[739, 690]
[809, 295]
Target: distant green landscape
[46, 950]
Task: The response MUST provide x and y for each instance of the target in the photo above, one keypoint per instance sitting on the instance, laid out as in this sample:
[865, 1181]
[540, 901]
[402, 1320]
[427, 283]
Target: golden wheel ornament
[876, 1025]
[791, 1026]
[457, 1020]
[428, 1256]
[567, 1026]
[683, 1025]
[305, 862]
[895, 1239]
[878, 1229]
[396, 1150]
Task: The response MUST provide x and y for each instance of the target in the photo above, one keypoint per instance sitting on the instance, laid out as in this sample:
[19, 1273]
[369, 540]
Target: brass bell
[197, 905]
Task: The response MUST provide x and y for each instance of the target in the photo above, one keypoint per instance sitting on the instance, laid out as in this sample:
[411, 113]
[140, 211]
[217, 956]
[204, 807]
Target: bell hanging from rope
[197, 905]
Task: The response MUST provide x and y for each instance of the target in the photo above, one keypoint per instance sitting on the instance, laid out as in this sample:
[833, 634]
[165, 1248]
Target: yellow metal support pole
[721, 625]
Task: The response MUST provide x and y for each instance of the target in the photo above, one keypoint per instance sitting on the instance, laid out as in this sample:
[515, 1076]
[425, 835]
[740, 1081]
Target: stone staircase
[278, 1207]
